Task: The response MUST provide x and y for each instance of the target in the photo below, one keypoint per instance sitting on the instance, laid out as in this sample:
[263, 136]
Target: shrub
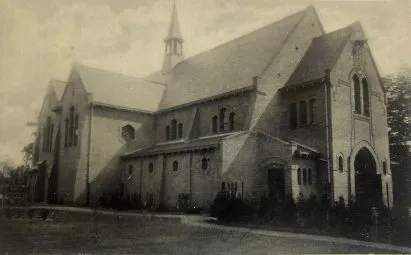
[227, 208]
[30, 213]
[44, 214]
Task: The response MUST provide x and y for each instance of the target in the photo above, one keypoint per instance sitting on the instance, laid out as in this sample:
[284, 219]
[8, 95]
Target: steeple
[173, 43]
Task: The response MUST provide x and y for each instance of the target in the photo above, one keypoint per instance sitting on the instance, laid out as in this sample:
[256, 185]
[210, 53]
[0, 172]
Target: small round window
[204, 163]
[150, 168]
[175, 166]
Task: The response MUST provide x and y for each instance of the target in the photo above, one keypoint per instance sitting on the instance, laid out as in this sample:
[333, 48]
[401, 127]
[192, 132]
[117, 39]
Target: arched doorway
[368, 190]
[276, 183]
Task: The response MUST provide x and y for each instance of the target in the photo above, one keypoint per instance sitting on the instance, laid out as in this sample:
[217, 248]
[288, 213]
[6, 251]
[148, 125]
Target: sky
[41, 39]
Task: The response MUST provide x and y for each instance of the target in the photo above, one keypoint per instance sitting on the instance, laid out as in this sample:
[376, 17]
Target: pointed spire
[173, 43]
[174, 28]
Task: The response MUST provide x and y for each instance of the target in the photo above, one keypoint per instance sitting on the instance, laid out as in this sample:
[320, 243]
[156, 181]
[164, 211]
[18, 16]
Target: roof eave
[203, 100]
[170, 151]
[307, 84]
[121, 108]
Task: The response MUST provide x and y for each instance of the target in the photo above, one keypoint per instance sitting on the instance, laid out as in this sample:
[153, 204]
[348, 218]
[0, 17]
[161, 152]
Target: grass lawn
[140, 235]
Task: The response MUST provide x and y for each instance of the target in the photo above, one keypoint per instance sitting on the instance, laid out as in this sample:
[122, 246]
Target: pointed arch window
[357, 94]
[71, 128]
[76, 131]
[232, 119]
[293, 116]
[214, 121]
[303, 112]
[48, 136]
[340, 164]
[365, 97]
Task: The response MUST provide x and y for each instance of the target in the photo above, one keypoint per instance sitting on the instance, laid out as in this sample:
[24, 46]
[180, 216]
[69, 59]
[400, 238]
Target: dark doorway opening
[41, 181]
[368, 189]
[276, 184]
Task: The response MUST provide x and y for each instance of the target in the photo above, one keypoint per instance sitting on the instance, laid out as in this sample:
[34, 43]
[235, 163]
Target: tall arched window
[303, 112]
[180, 130]
[310, 177]
[71, 128]
[44, 138]
[305, 176]
[223, 117]
[299, 176]
[340, 164]
[48, 136]
[293, 116]
[173, 129]
[51, 137]
[311, 110]
[365, 97]
[232, 118]
[357, 94]
[167, 132]
[66, 131]
[214, 121]
[76, 131]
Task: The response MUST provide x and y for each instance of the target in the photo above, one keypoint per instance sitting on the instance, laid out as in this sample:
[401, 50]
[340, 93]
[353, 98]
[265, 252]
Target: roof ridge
[116, 73]
[268, 64]
[244, 35]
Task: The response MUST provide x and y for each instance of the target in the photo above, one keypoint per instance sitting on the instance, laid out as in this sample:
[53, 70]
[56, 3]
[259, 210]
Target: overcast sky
[39, 39]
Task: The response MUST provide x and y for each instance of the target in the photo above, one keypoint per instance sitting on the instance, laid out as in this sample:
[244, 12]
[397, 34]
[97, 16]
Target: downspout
[327, 129]
[190, 176]
[141, 177]
[89, 153]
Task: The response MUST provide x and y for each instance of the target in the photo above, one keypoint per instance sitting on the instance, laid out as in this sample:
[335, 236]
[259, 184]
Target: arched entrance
[368, 190]
[276, 182]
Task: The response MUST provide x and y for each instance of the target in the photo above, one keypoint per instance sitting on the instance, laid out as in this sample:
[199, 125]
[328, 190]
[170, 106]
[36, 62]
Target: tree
[398, 92]
[28, 155]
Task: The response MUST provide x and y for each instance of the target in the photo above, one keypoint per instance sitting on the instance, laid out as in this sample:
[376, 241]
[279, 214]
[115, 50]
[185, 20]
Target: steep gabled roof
[58, 87]
[320, 56]
[227, 67]
[120, 90]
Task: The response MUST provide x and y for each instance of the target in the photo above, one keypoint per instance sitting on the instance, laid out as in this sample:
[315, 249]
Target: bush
[44, 214]
[228, 208]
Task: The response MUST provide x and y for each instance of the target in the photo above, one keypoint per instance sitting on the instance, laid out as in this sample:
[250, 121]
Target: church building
[285, 109]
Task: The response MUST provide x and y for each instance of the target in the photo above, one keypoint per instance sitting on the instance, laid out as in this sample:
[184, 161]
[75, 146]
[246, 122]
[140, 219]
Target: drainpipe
[141, 177]
[190, 176]
[327, 129]
[89, 153]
